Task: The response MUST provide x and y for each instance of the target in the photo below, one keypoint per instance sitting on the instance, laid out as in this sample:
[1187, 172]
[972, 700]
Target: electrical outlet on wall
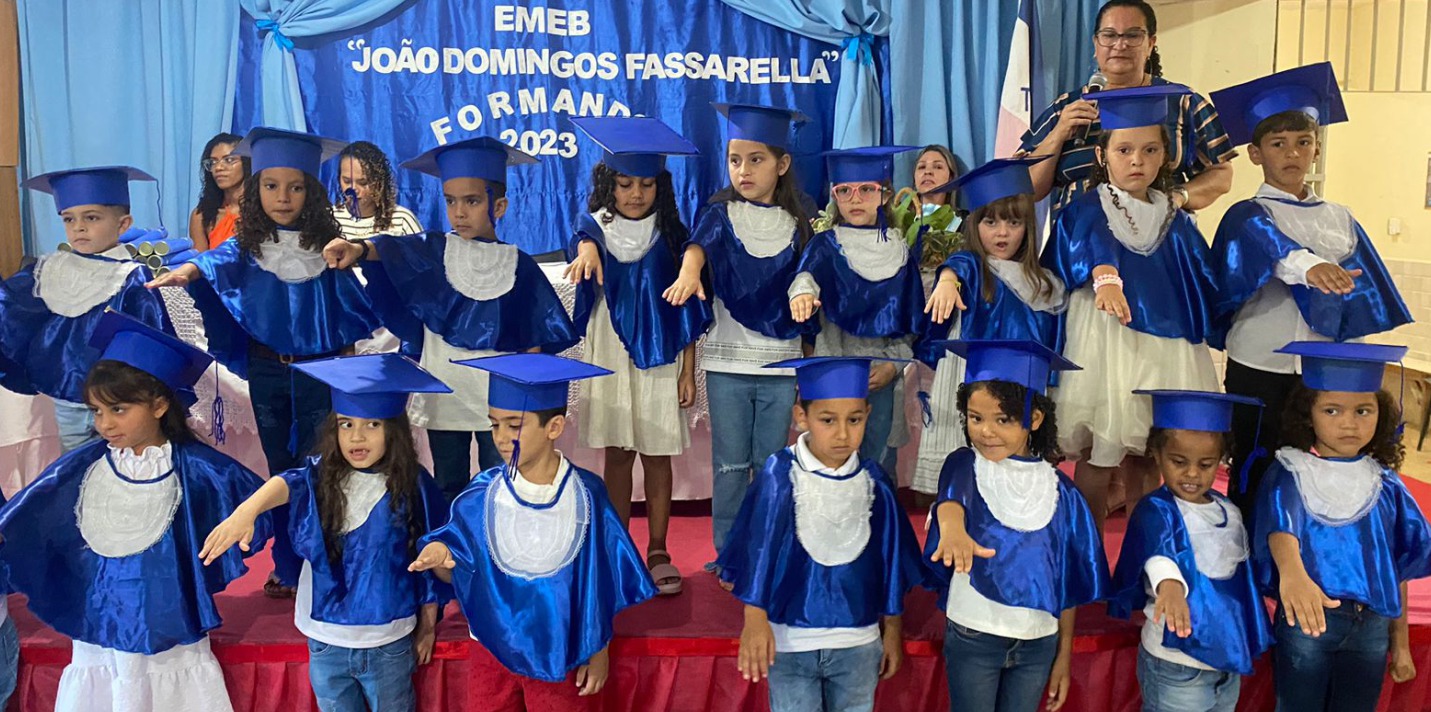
[1393, 227]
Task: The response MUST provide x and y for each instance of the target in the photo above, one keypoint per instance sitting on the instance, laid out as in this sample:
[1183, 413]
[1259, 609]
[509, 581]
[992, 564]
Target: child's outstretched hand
[177, 277]
[957, 549]
[591, 677]
[1304, 604]
[803, 307]
[757, 646]
[945, 298]
[682, 289]
[1110, 300]
[586, 265]
[1171, 607]
[340, 253]
[1331, 278]
[237, 529]
[433, 556]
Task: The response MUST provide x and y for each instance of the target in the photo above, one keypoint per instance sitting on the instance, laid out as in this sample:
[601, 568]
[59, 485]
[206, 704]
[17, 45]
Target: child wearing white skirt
[1143, 288]
[623, 254]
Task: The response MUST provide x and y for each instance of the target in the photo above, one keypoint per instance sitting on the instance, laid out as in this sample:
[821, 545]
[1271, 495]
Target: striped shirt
[1197, 138]
[403, 223]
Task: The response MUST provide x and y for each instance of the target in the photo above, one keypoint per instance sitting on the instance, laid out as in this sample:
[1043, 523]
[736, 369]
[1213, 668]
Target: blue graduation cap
[1027, 363]
[1136, 106]
[482, 157]
[636, 145]
[277, 148]
[828, 377]
[1311, 90]
[531, 382]
[101, 185]
[1351, 368]
[177, 364]
[995, 180]
[874, 164]
[372, 385]
[1206, 411]
[763, 124]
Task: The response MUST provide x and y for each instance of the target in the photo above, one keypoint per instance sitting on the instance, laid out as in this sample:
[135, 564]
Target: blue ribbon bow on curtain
[271, 26]
[860, 48]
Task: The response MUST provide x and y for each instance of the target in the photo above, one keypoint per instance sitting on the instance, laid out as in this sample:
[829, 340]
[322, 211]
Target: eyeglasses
[845, 191]
[1109, 38]
[228, 161]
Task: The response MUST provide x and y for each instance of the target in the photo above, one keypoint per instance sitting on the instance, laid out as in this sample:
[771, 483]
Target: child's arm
[1108, 296]
[591, 677]
[425, 638]
[238, 528]
[1171, 607]
[586, 264]
[1302, 599]
[1332, 278]
[178, 277]
[342, 253]
[1403, 668]
[945, 298]
[757, 645]
[686, 384]
[804, 296]
[1061, 675]
[956, 547]
[688, 282]
[893, 638]
[437, 558]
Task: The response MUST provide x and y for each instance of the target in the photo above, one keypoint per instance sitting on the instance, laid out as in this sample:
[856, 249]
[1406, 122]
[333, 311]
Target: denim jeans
[1170, 687]
[991, 673]
[1342, 670]
[750, 421]
[840, 680]
[9, 659]
[361, 679]
[452, 458]
[880, 422]
[76, 424]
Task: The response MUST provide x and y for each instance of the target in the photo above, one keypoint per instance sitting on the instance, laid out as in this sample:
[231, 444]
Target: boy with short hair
[48, 311]
[539, 559]
[1292, 266]
[822, 554]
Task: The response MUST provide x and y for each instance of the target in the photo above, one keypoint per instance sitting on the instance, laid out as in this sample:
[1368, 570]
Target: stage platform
[671, 654]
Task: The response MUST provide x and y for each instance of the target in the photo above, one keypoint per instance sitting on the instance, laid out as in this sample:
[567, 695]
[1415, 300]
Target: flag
[1017, 95]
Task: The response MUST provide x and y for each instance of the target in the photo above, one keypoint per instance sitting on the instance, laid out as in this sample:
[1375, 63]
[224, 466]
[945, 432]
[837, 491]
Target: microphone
[1096, 83]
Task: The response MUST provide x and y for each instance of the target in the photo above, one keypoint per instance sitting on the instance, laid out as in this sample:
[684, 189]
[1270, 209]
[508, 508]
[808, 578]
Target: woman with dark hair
[934, 168]
[1125, 43]
[222, 174]
[367, 201]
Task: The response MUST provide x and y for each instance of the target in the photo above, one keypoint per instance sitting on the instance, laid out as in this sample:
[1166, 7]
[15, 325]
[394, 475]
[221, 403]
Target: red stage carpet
[670, 654]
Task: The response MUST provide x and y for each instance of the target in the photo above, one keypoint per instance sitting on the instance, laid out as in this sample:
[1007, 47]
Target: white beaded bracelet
[1104, 280]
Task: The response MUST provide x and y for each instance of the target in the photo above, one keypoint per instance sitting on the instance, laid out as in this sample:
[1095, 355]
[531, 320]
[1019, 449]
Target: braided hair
[379, 172]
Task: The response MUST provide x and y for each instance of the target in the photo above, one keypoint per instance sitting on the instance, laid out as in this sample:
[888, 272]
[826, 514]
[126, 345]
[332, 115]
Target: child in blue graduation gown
[539, 558]
[470, 295]
[1013, 545]
[1143, 289]
[1292, 266]
[821, 554]
[1337, 535]
[1185, 564]
[749, 239]
[624, 255]
[49, 310]
[357, 509]
[862, 281]
[105, 543]
[999, 288]
[269, 300]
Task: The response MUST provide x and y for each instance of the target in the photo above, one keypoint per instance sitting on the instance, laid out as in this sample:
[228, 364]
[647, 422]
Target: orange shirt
[223, 229]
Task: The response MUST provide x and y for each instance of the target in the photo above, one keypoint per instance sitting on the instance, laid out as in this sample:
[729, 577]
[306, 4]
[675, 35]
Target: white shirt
[1219, 543]
[403, 223]
[732, 348]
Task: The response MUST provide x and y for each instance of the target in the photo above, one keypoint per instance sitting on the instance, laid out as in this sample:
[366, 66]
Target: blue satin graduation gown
[546, 627]
[1248, 247]
[1230, 629]
[240, 301]
[528, 316]
[1363, 561]
[770, 570]
[48, 353]
[372, 586]
[653, 330]
[753, 289]
[1058, 567]
[1006, 317]
[887, 309]
[144, 603]
[1170, 292]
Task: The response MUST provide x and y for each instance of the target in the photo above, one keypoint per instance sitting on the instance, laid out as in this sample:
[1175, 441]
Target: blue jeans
[9, 659]
[452, 458]
[880, 422]
[841, 680]
[1342, 670]
[750, 421]
[360, 679]
[76, 424]
[1170, 687]
[991, 673]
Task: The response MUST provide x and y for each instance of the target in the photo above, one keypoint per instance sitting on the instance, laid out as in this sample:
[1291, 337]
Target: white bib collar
[1324, 228]
[71, 284]
[127, 501]
[361, 493]
[1021, 494]
[1145, 233]
[872, 256]
[531, 540]
[1335, 492]
[1011, 273]
[287, 260]
[762, 230]
[1219, 541]
[479, 269]
[832, 509]
[627, 240]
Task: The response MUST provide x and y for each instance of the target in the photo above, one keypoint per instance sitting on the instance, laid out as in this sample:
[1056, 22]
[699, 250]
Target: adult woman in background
[367, 203]
[221, 177]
